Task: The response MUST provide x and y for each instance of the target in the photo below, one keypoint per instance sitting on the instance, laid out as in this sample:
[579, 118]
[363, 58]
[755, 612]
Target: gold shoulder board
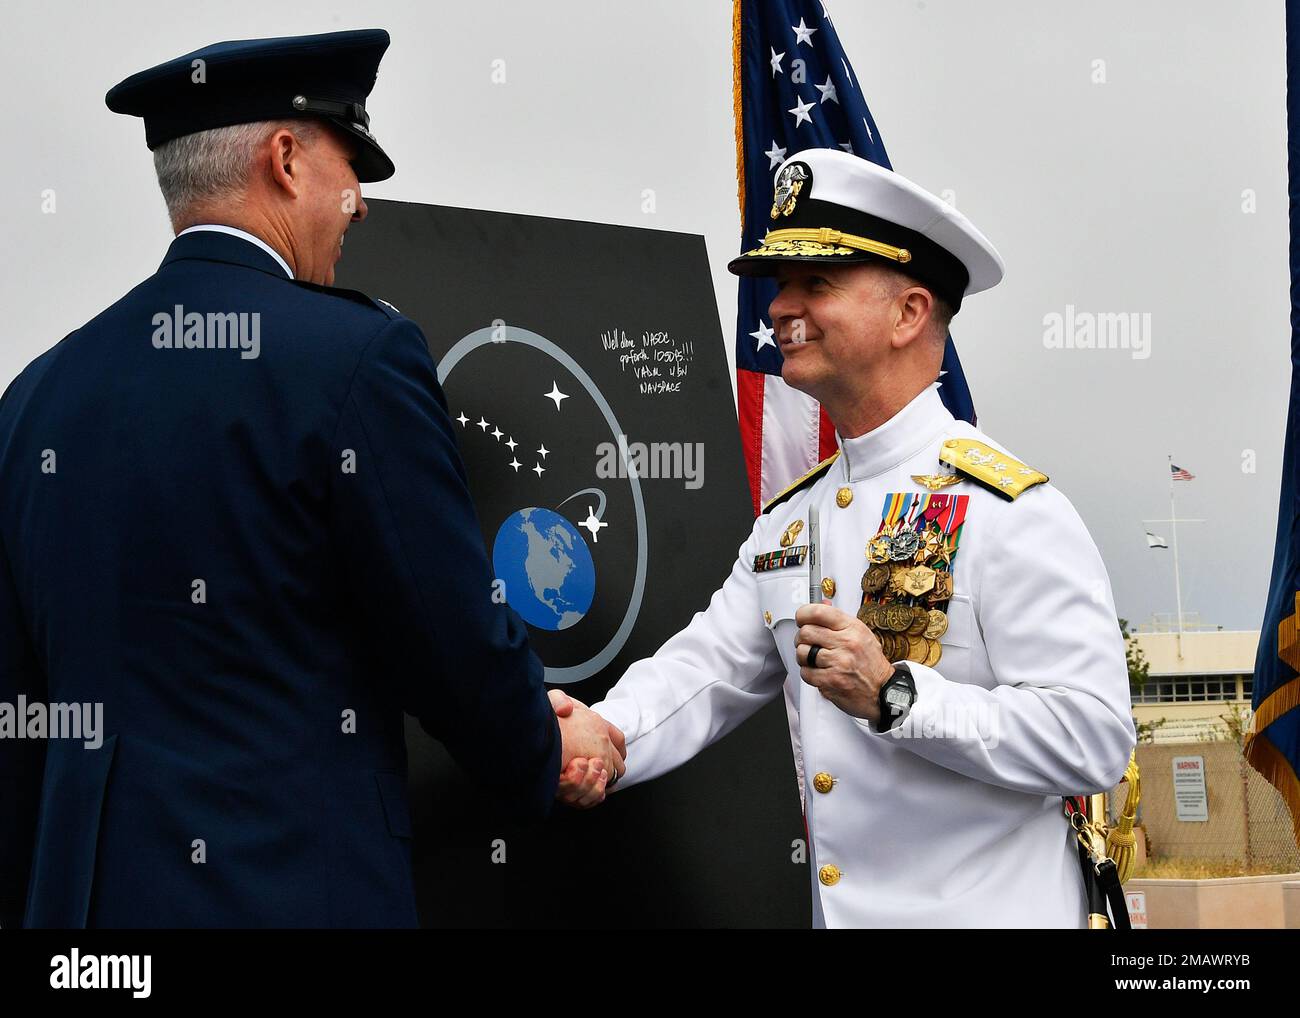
[801, 483]
[990, 467]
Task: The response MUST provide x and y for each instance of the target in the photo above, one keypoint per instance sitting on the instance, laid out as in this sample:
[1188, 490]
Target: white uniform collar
[898, 439]
[243, 235]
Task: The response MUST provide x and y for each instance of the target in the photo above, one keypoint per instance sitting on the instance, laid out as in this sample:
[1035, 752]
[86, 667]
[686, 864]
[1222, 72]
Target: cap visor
[752, 263]
[372, 162]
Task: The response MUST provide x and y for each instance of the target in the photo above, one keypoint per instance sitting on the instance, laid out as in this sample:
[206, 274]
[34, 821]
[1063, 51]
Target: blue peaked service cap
[323, 76]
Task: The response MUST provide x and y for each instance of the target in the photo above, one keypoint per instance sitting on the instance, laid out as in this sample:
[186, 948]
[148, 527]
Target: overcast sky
[1160, 190]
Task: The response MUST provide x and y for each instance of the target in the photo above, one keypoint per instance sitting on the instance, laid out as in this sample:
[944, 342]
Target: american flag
[1180, 474]
[793, 89]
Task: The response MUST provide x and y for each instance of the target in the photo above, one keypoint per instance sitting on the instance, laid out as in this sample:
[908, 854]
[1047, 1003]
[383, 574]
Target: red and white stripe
[785, 433]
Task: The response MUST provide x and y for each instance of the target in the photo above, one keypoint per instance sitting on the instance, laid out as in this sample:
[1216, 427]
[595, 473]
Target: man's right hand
[593, 750]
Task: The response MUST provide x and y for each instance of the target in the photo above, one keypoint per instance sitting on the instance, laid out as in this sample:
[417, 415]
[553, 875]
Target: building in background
[1204, 694]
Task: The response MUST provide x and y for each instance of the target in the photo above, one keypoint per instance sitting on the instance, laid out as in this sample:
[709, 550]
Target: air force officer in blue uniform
[233, 513]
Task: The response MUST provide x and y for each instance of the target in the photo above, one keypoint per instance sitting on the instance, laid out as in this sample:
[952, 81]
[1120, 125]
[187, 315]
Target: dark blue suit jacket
[228, 790]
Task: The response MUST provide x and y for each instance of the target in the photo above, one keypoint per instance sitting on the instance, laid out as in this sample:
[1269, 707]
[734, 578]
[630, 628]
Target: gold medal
[896, 574]
[937, 625]
[916, 649]
[934, 653]
[878, 548]
[920, 619]
[867, 614]
[791, 532]
[876, 578]
[942, 587]
[897, 617]
[918, 580]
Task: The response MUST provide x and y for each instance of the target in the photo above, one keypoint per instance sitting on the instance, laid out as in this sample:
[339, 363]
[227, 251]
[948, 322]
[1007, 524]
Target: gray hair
[941, 311]
[197, 169]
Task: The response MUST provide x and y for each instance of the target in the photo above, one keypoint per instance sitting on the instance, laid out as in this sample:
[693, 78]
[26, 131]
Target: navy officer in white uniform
[964, 670]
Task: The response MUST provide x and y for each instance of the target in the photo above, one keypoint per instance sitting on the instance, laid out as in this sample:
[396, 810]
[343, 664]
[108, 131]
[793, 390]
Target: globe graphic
[549, 576]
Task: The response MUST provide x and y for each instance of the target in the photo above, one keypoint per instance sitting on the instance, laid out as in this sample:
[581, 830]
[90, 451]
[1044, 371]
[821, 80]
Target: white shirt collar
[898, 439]
[243, 234]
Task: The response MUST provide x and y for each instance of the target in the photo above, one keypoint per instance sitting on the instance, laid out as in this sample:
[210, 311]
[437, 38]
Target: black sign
[585, 369]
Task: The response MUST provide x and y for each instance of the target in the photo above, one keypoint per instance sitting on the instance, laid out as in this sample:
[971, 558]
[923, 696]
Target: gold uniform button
[823, 782]
[828, 587]
[843, 497]
[767, 617]
[829, 875]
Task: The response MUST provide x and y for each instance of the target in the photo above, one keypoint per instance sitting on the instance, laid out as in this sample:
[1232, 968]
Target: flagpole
[1178, 587]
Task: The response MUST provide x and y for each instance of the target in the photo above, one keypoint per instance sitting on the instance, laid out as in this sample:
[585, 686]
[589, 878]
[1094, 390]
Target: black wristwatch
[896, 697]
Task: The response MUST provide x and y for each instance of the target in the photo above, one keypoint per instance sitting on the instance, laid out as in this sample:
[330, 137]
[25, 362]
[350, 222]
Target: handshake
[592, 754]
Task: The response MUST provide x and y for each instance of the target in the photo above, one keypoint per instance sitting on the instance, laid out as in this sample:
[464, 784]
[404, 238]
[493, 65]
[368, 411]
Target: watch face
[899, 698]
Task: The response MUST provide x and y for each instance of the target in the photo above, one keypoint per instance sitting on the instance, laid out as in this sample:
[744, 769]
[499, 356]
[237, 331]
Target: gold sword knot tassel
[1121, 842]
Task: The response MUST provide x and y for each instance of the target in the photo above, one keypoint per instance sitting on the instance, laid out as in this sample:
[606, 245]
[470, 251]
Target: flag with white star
[794, 90]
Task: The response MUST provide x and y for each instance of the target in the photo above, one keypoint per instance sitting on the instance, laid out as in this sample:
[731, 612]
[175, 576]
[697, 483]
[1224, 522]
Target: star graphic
[827, 91]
[463, 419]
[483, 425]
[764, 336]
[512, 443]
[776, 62]
[539, 470]
[826, 15]
[543, 451]
[556, 395]
[775, 156]
[802, 33]
[514, 463]
[497, 433]
[800, 112]
[593, 523]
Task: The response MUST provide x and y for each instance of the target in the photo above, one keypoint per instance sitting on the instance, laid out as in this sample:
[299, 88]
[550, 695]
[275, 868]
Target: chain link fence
[1246, 825]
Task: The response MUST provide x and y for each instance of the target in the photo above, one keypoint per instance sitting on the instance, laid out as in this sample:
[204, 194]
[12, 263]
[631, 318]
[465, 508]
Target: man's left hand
[851, 666]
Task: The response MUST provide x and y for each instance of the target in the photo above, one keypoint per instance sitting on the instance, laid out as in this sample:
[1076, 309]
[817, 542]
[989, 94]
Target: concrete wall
[1231, 903]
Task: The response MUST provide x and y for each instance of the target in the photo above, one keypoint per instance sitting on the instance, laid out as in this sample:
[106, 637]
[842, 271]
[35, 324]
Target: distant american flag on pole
[1180, 474]
[793, 90]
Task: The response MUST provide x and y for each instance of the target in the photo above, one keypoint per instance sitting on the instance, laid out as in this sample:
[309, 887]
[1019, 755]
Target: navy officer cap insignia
[835, 208]
[325, 76]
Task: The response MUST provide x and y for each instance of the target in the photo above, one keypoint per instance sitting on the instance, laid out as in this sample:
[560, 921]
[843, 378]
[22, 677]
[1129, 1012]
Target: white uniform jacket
[953, 819]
